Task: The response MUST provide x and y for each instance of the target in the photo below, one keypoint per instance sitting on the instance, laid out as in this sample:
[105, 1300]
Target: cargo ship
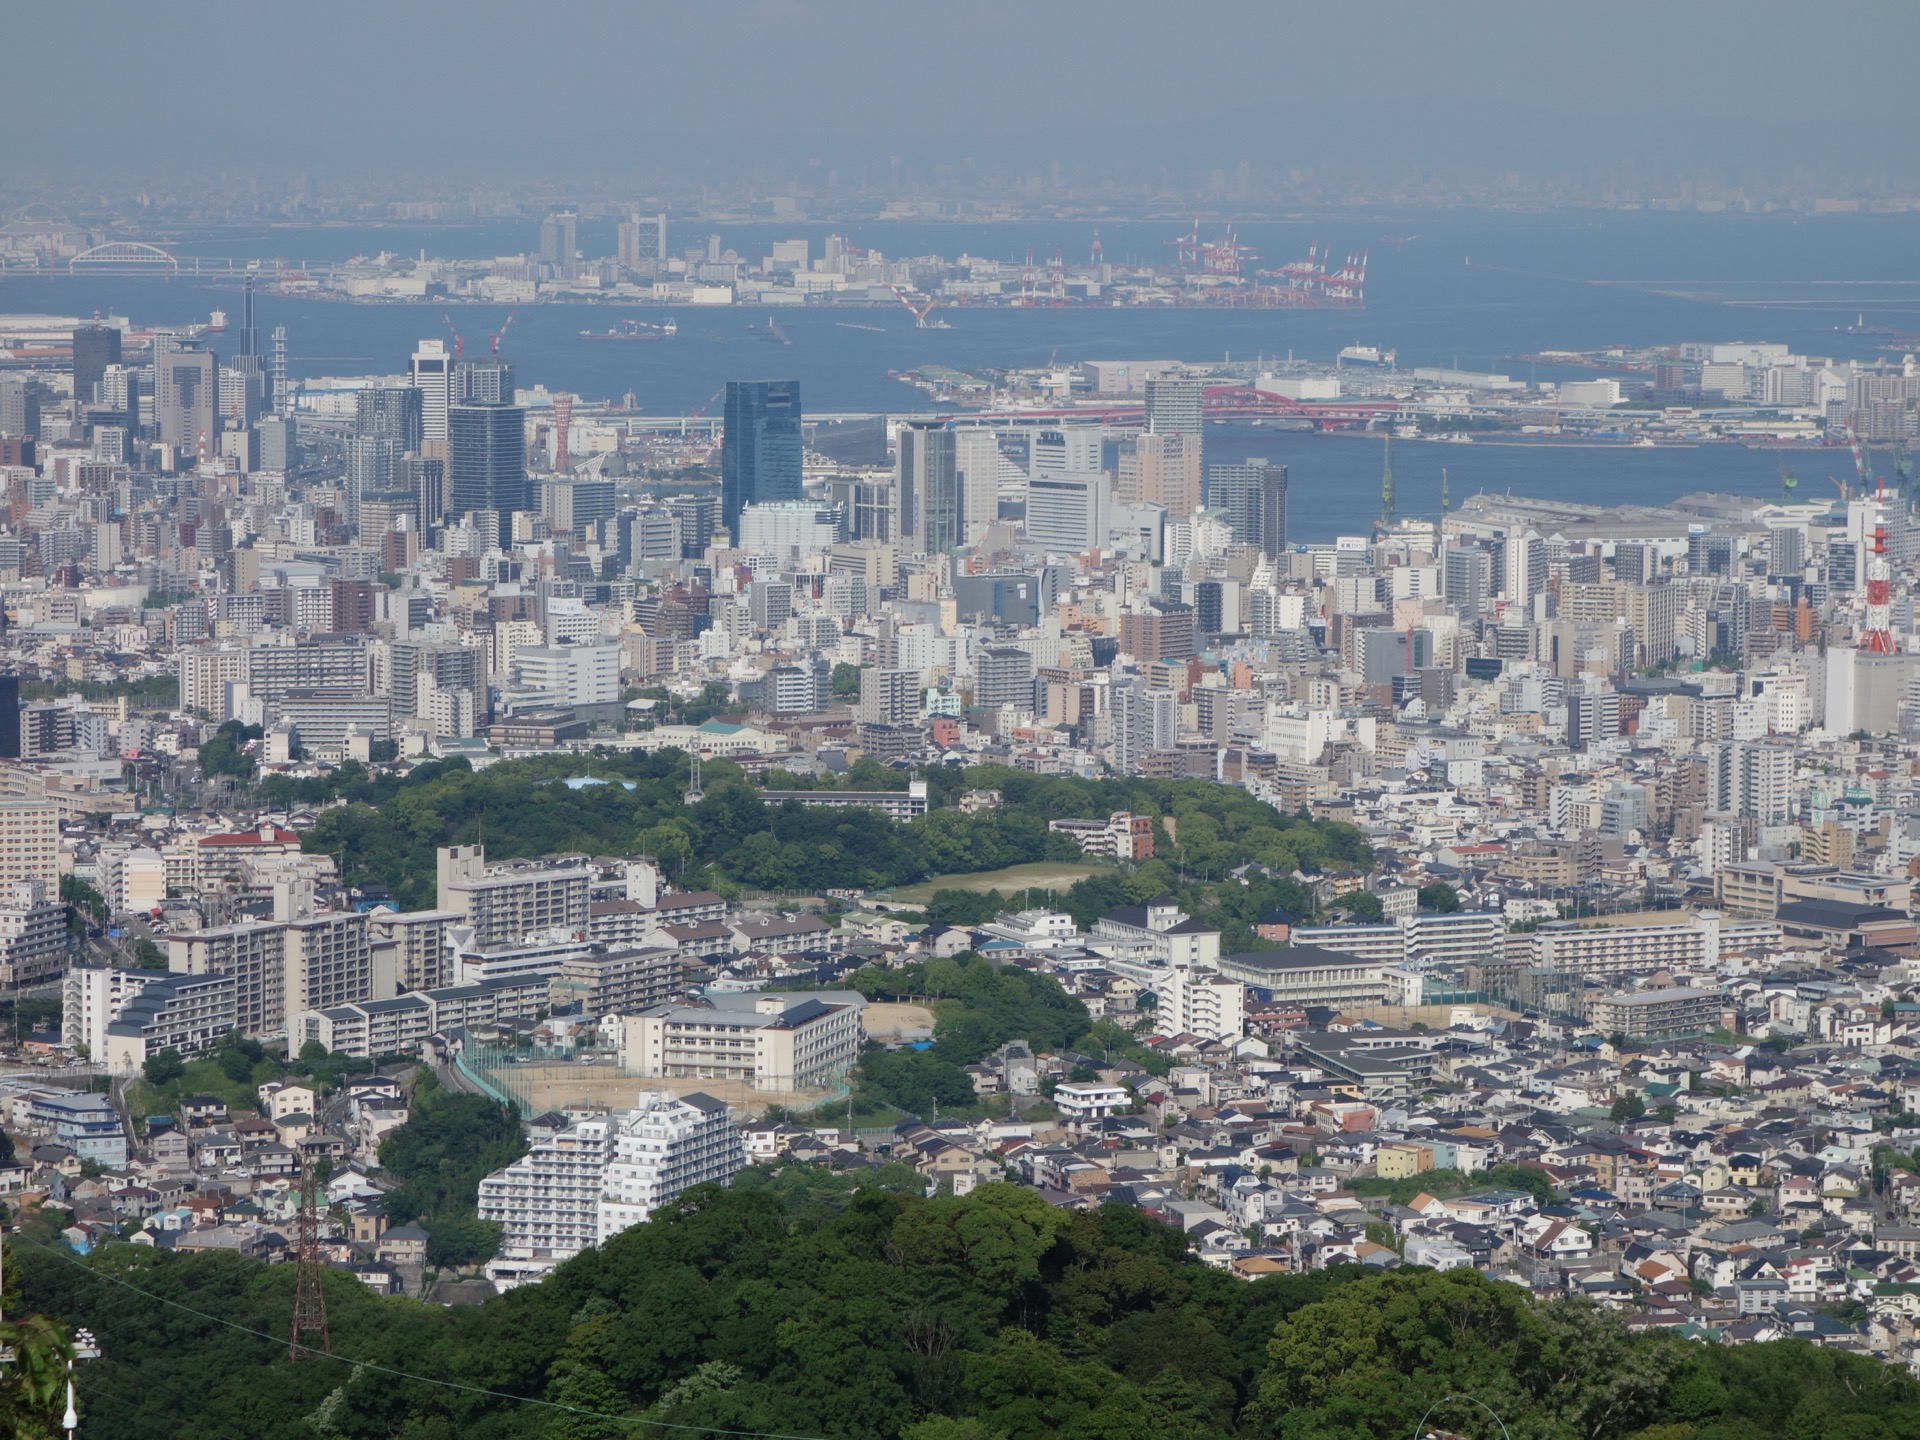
[635, 330]
[1366, 355]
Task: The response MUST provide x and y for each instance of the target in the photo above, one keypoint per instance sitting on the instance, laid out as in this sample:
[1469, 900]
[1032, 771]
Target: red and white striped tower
[1877, 638]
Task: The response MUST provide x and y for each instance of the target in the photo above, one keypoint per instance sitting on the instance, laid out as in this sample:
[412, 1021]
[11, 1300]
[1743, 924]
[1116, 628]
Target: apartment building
[602, 1175]
[620, 981]
[1694, 943]
[1651, 1014]
[30, 842]
[761, 1040]
[35, 943]
[1202, 1002]
[1465, 937]
[1121, 836]
[900, 805]
[190, 1014]
[283, 968]
[1309, 975]
[421, 958]
[397, 1026]
[663, 1148]
[506, 905]
[92, 997]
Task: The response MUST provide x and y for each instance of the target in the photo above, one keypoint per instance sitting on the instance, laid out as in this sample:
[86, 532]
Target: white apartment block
[661, 1150]
[92, 997]
[1613, 950]
[1203, 1003]
[762, 1040]
[603, 1175]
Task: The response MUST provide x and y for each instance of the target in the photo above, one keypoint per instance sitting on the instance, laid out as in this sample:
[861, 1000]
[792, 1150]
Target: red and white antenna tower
[562, 426]
[1877, 638]
[1097, 255]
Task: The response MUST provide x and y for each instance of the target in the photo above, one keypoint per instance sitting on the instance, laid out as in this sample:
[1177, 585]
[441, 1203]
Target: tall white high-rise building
[977, 458]
[601, 1176]
[431, 373]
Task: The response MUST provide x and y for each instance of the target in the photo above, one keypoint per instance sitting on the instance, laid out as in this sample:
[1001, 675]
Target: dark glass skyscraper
[761, 451]
[487, 461]
[95, 347]
[9, 717]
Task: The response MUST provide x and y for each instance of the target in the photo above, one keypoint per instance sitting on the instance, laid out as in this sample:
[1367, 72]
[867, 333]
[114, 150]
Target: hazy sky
[507, 86]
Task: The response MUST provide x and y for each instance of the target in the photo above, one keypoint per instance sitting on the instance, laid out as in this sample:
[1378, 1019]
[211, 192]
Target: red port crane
[459, 345]
[493, 341]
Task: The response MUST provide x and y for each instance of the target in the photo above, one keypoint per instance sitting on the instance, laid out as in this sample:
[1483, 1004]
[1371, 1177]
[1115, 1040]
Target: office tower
[1174, 408]
[1523, 568]
[487, 462]
[425, 478]
[431, 373]
[394, 412]
[9, 717]
[483, 382]
[373, 463]
[1634, 562]
[929, 482]
[1068, 513]
[760, 455]
[279, 443]
[20, 407]
[1253, 498]
[871, 508]
[559, 246]
[1786, 550]
[1158, 469]
[185, 389]
[95, 347]
[977, 458]
[698, 517]
[249, 335]
[243, 392]
[1469, 579]
[1071, 451]
[642, 240]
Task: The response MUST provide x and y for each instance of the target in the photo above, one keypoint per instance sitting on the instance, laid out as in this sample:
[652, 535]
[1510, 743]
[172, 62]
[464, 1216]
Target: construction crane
[919, 312]
[493, 340]
[1789, 482]
[1840, 485]
[459, 344]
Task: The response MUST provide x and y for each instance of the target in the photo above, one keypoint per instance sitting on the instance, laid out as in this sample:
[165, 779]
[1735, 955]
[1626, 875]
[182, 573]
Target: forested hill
[790, 1306]
[633, 803]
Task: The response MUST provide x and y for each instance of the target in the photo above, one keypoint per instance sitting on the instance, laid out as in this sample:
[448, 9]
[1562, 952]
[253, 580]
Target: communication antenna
[309, 1294]
[694, 793]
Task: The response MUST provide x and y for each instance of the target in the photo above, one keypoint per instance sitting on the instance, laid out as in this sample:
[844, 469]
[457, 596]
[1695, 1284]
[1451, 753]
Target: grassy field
[1041, 875]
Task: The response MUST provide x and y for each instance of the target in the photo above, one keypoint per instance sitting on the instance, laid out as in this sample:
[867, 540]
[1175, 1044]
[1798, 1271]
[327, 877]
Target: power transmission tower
[309, 1294]
[694, 793]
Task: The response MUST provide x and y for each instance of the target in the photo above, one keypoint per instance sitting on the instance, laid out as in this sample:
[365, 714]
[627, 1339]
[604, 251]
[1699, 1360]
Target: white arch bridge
[124, 257]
